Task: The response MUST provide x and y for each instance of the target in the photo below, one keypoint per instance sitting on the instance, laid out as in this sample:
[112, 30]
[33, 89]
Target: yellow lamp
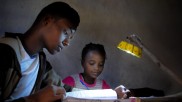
[130, 48]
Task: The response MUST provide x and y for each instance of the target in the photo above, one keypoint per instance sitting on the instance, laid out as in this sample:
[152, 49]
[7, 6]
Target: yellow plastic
[130, 48]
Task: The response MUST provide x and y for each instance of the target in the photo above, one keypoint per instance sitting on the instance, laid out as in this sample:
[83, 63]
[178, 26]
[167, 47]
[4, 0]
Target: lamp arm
[137, 40]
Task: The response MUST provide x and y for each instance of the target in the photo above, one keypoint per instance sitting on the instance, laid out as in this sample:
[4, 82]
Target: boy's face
[57, 34]
[93, 64]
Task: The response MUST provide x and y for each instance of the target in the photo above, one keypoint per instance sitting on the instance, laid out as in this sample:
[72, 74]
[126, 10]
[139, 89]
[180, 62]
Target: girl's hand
[121, 92]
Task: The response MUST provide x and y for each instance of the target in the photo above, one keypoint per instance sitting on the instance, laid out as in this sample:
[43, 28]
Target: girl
[92, 60]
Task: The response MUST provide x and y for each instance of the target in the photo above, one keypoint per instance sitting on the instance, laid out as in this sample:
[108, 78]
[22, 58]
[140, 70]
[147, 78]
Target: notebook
[103, 94]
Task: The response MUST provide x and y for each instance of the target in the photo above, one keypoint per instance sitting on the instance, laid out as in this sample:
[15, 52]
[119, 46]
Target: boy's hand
[50, 93]
[121, 92]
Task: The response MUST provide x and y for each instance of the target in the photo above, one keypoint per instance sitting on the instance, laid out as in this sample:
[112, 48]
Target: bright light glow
[130, 48]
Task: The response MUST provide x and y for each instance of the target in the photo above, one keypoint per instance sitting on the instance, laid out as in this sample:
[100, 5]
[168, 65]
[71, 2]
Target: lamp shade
[130, 48]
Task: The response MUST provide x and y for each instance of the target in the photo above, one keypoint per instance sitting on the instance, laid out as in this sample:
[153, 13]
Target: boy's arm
[52, 78]
[50, 93]
[8, 61]
[9, 71]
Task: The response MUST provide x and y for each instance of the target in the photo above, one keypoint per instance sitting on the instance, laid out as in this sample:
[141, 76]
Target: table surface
[132, 99]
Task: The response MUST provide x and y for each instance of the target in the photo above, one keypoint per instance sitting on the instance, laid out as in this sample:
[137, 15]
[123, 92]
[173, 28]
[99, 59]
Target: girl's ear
[82, 62]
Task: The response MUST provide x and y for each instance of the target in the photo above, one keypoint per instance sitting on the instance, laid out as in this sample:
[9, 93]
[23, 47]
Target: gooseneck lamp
[134, 46]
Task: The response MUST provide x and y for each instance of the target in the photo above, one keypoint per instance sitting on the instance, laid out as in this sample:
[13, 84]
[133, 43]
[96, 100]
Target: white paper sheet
[106, 94]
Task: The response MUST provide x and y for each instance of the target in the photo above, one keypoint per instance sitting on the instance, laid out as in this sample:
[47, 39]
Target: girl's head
[93, 59]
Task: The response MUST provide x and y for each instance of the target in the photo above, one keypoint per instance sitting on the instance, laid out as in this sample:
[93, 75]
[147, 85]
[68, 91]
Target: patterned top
[77, 81]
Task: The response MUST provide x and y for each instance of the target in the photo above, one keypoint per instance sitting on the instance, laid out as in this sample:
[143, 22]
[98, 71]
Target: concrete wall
[157, 22]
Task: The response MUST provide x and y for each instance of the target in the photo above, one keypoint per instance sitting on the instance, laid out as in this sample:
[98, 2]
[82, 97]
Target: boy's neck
[31, 42]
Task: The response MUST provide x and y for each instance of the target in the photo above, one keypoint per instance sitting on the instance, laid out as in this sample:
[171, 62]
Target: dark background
[157, 22]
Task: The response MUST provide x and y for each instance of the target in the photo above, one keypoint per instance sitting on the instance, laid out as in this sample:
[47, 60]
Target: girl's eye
[101, 65]
[91, 63]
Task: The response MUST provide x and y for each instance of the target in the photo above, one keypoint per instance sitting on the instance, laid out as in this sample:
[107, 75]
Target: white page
[103, 94]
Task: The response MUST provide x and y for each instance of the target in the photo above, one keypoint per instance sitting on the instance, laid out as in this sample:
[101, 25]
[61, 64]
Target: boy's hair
[59, 10]
[93, 47]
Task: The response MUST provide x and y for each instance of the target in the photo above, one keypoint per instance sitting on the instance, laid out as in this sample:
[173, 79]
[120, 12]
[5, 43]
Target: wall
[157, 22]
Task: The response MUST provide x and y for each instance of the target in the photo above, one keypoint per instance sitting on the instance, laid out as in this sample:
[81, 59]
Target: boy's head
[59, 10]
[56, 22]
[93, 59]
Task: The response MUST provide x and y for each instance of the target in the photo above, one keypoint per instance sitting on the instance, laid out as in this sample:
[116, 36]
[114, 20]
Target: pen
[84, 85]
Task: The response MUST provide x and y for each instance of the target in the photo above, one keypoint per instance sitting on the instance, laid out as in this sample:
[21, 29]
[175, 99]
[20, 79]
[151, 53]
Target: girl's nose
[96, 68]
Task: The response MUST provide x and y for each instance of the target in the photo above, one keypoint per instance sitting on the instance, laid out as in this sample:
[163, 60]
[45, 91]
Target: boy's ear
[47, 19]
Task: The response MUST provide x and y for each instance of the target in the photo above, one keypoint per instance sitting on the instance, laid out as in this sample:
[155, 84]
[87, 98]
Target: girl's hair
[93, 47]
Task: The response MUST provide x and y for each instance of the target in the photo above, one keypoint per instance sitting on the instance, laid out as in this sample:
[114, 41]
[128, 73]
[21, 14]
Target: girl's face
[93, 64]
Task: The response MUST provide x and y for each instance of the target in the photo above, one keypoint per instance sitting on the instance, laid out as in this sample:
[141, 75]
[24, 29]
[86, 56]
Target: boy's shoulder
[10, 44]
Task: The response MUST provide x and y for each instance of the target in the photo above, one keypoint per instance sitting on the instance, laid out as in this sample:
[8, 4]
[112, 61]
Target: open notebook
[106, 94]
[101, 95]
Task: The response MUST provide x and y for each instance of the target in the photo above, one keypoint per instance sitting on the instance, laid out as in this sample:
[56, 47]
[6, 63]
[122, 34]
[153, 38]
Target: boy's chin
[52, 52]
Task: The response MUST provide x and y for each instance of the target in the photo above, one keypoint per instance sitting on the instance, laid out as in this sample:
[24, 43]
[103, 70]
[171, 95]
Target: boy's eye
[68, 34]
[65, 32]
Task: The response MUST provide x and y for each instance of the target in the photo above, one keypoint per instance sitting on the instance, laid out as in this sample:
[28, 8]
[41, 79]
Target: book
[101, 95]
[108, 94]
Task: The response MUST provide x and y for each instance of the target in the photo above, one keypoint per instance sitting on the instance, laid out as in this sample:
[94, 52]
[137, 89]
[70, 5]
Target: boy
[22, 62]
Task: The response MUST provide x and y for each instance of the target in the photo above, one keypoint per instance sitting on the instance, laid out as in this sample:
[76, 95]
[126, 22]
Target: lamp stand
[137, 40]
